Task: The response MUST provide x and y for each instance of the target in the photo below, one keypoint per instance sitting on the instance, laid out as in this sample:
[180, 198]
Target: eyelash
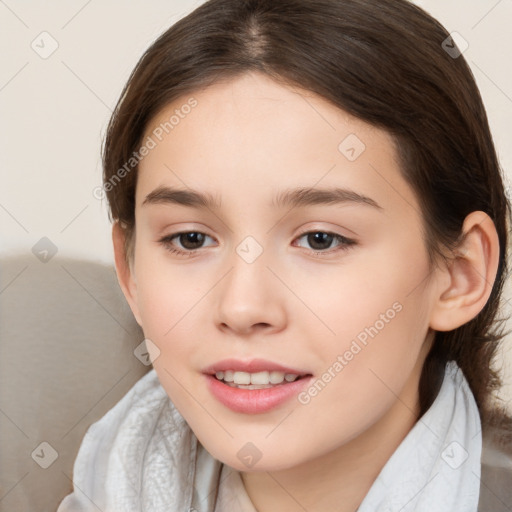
[344, 243]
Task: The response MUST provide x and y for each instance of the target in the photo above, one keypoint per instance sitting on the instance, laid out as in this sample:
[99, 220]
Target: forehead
[251, 136]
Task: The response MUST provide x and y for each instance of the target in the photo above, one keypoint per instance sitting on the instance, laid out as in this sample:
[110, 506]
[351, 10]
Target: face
[333, 283]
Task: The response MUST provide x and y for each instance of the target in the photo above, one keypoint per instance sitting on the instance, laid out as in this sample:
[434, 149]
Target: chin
[249, 457]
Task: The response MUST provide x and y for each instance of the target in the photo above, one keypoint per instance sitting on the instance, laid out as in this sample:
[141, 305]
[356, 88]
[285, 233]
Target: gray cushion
[67, 340]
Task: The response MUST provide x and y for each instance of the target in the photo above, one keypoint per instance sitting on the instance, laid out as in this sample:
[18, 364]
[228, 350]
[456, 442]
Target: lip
[251, 366]
[255, 401]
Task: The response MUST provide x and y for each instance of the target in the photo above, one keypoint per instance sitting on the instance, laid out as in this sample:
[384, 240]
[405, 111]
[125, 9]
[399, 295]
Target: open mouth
[257, 380]
[255, 392]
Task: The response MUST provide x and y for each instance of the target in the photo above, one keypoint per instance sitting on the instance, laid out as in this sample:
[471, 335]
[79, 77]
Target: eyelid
[329, 227]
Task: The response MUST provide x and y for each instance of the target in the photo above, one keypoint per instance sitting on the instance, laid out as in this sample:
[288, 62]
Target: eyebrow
[297, 197]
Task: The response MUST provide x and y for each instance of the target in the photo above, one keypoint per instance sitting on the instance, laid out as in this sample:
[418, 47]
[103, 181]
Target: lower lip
[254, 401]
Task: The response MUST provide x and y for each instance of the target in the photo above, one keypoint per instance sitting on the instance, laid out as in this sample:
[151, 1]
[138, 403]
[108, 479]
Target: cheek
[167, 293]
[375, 316]
[169, 314]
[365, 366]
[367, 288]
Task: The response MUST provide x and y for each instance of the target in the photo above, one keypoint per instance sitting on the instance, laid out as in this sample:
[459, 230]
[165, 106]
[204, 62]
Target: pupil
[315, 238]
[193, 238]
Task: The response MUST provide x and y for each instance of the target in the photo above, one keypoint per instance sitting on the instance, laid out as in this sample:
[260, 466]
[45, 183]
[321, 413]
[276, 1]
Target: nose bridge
[249, 294]
[248, 279]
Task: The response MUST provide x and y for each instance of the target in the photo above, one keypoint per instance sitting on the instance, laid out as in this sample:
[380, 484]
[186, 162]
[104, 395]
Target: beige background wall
[54, 109]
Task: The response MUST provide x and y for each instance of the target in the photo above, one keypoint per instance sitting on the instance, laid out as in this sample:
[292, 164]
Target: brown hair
[383, 62]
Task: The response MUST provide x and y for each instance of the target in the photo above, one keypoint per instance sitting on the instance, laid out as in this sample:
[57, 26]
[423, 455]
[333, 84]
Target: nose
[250, 298]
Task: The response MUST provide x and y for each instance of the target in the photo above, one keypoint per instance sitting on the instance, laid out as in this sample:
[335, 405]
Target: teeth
[259, 378]
[249, 386]
[242, 378]
[277, 377]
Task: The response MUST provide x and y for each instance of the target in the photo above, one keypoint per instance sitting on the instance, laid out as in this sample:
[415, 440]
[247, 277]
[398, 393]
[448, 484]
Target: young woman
[310, 225]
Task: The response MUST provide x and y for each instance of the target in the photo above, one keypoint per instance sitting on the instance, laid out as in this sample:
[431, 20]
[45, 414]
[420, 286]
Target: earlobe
[471, 274]
[125, 274]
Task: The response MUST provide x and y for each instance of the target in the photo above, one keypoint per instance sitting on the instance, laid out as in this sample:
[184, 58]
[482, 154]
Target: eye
[191, 241]
[322, 240]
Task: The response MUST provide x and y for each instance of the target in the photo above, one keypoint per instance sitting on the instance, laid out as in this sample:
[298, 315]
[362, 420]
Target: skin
[246, 140]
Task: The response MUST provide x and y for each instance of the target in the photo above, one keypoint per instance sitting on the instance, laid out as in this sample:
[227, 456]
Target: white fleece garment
[143, 457]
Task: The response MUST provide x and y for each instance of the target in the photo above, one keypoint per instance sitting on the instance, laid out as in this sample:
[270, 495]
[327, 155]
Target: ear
[125, 272]
[468, 277]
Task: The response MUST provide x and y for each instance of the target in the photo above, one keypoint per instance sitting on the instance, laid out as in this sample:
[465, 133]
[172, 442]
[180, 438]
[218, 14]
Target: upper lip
[250, 366]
